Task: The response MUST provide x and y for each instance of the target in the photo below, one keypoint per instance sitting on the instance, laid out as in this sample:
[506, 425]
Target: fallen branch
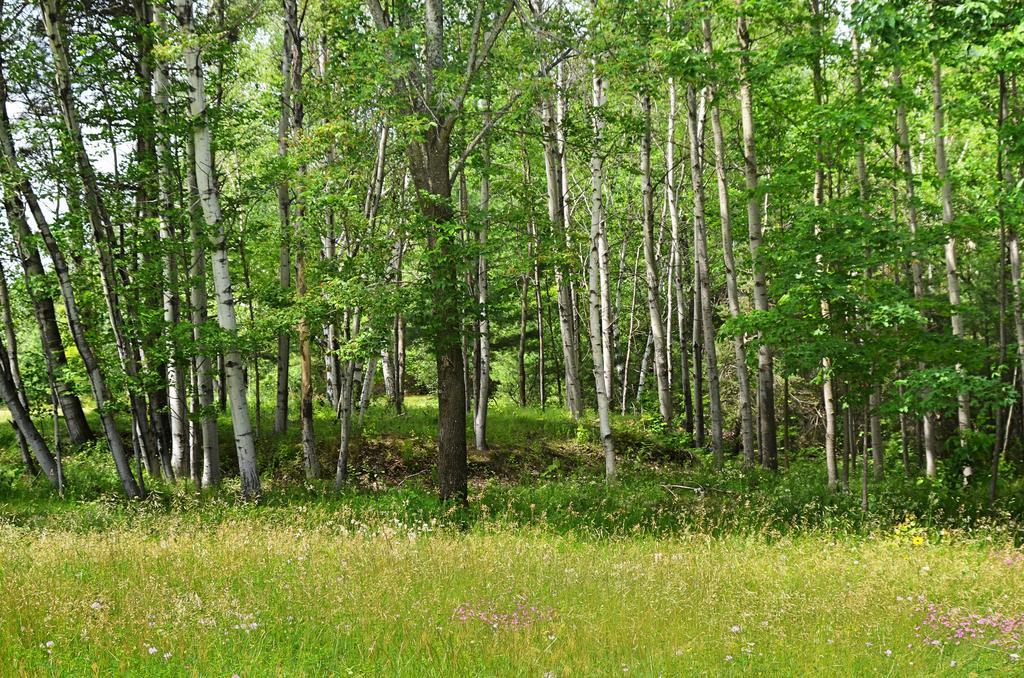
[699, 489]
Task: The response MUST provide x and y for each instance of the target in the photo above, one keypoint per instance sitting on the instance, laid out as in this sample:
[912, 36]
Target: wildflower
[736, 628]
[728, 657]
[1014, 656]
[152, 650]
[49, 643]
[952, 664]
[917, 540]
[888, 653]
[167, 655]
[96, 605]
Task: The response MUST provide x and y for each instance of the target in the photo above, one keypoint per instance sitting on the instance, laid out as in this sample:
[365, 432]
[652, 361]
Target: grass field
[673, 571]
[254, 598]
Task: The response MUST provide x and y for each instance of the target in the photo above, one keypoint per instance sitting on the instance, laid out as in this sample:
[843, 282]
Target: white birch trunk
[651, 267]
[952, 276]
[732, 290]
[595, 295]
[701, 253]
[209, 197]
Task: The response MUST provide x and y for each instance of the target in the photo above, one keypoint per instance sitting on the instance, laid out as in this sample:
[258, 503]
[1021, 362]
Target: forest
[511, 337]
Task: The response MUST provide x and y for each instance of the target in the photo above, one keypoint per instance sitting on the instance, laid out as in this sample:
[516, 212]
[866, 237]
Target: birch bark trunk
[701, 253]
[79, 431]
[679, 255]
[11, 396]
[828, 390]
[209, 195]
[10, 358]
[952, 276]
[176, 371]
[598, 335]
[651, 269]
[97, 381]
[732, 290]
[556, 213]
[484, 381]
[916, 272]
[201, 362]
[99, 220]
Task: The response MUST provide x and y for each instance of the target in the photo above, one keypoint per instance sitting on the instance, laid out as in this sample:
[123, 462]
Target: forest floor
[674, 570]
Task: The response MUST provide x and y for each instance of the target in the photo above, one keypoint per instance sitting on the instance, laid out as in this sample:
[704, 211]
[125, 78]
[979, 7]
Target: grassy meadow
[674, 570]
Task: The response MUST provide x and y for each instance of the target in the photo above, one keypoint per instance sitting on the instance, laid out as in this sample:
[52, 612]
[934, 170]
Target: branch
[479, 137]
[476, 60]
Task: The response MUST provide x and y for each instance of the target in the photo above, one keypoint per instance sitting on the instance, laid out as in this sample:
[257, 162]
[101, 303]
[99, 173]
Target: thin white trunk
[952, 277]
[367, 390]
[651, 267]
[917, 274]
[598, 335]
[176, 373]
[556, 213]
[732, 290]
[484, 382]
[209, 197]
[99, 220]
[765, 363]
[701, 252]
[828, 390]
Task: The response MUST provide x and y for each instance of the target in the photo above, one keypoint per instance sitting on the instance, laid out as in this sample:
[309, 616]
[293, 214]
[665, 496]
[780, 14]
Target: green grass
[674, 570]
[264, 598]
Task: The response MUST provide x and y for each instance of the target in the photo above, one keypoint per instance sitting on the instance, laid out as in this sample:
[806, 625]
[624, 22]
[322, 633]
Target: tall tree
[765, 362]
[209, 198]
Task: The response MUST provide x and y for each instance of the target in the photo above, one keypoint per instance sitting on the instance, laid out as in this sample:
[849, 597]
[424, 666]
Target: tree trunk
[429, 160]
[952, 277]
[765, 362]
[10, 356]
[201, 361]
[597, 334]
[679, 255]
[874, 422]
[651, 267]
[284, 264]
[101, 393]
[701, 252]
[521, 354]
[629, 332]
[176, 370]
[346, 390]
[292, 92]
[209, 195]
[99, 220]
[556, 213]
[917, 275]
[366, 392]
[35, 280]
[484, 380]
[23, 421]
[732, 290]
[1013, 251]
[828, 389]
